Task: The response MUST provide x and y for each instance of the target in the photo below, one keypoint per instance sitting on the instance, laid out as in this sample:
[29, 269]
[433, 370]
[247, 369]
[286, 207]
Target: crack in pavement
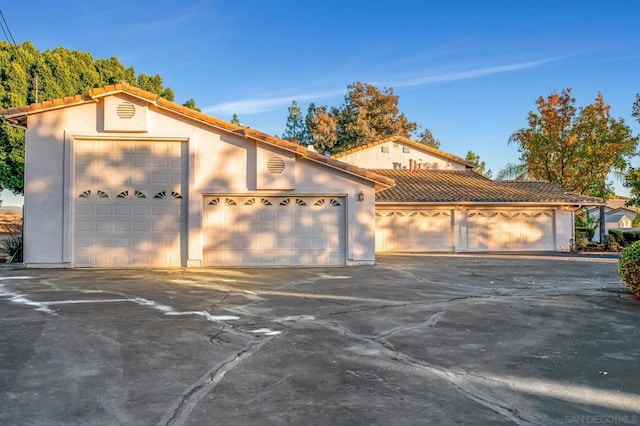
[179, 413]
[387, 352]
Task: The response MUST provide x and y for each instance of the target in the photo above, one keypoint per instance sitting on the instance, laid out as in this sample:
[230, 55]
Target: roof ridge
[405, 140]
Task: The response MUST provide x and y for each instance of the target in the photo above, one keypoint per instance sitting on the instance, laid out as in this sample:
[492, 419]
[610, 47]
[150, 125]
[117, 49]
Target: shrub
[617, 236]
[610, 243]
[631, 236]
[629, 267]
[585, 232]
[13, 247]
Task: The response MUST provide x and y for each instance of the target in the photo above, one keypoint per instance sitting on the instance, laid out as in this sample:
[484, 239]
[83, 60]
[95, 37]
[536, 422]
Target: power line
[6, 25]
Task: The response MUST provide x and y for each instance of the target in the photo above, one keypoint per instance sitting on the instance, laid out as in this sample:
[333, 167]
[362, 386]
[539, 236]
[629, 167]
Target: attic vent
[275, 165]
[126, 110]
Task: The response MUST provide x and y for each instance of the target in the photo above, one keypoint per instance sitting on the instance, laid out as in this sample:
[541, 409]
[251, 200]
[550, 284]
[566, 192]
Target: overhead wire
[4, 26]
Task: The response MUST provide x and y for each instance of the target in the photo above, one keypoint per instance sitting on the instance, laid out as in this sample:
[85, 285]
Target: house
[120, 177]
[616, 216]
[440, 205]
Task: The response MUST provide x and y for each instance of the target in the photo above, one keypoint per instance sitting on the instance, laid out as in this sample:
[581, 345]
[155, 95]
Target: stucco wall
[218, 162]
[392, 155]
[563, 229]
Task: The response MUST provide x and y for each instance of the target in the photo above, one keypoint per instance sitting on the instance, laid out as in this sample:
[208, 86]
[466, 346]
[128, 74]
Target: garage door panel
[281, 231]
[510, 230]
[123, 218]
[103, 226]
[425, 230]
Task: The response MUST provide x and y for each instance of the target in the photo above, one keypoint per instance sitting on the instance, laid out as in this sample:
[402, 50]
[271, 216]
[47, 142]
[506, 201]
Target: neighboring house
[121, 177]
[619, 218]
[440, 205]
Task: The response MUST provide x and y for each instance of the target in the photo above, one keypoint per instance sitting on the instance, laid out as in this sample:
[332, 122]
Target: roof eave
[492, 203]
[19, 119]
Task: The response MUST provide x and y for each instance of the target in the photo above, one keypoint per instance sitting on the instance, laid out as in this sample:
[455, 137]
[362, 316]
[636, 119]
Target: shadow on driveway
[415, 339]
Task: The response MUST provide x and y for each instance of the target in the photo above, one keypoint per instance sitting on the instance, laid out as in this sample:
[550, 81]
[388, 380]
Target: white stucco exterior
[217, 162]
[395, 154]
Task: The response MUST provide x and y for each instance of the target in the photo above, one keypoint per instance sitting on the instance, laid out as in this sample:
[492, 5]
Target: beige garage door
[414, 230]
[274, 231]
[129, 203]
[510, 230]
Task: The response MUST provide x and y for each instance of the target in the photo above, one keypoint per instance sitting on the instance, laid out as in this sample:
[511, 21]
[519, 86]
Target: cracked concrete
[416, 339]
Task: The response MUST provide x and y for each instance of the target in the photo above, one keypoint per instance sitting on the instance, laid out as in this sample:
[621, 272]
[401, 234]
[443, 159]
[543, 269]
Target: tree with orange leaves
[575, 148]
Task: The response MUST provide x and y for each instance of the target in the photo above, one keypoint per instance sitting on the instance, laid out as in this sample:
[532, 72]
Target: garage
[421, 230]
[510, 230]
[129, 203]
[265, 230]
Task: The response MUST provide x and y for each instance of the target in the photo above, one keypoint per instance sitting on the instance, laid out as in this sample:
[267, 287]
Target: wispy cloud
[265, 104]
[257, 105]
[469, 74]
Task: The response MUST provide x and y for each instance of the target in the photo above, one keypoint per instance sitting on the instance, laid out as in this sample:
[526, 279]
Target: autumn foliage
[574, 148]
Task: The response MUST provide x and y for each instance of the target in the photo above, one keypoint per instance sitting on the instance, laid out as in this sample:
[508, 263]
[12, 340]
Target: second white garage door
[414, 230]
[510, 230]
[274, 231]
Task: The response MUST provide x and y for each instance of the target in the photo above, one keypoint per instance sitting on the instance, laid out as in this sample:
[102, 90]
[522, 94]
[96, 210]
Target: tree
[480, 166]
[294, 130]
[324, 125]
[308, 124]
[235, 119]
[517, 171]
[632, 178]
[369, 114]
[28, 75]
[426, 137]
[191, 104]
[574, 148]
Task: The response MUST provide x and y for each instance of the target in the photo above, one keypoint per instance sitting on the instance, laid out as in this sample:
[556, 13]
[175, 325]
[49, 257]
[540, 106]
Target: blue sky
[469, 71]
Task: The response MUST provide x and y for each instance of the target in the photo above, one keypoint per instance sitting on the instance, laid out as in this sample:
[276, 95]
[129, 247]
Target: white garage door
[414, 230]
[129, 204]
[509, 230]
[274, 231]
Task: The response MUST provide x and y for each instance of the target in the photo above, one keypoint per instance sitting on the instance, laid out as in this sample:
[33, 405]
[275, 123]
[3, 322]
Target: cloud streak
[466, 75]
[258, 105]
[265, 104]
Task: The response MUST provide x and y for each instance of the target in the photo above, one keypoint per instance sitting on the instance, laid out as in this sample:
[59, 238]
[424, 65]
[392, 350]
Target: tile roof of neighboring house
[623, 210]
[465, 186]
[616, 203]
[408, 142]
[18, 117]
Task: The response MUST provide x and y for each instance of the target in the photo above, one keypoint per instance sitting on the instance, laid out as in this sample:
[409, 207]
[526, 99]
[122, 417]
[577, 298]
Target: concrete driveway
[416, 339]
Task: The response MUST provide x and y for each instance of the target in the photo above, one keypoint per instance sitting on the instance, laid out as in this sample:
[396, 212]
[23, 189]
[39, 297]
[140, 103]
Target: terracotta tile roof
[17, 116]
[410, 143]
[465, 186]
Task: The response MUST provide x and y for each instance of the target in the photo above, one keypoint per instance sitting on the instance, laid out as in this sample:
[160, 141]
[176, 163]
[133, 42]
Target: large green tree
[575, 148]
[367, 114]
[28, 75]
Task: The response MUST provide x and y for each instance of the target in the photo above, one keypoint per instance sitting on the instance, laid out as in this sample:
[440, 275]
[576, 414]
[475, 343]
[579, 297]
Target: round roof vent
[275, 165]
[126, 110]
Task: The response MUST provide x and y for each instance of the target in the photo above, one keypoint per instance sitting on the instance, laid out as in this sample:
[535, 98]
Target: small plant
[610, 243]
[617, 236]
[586, 223]
[629, 267]
[13, 248]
